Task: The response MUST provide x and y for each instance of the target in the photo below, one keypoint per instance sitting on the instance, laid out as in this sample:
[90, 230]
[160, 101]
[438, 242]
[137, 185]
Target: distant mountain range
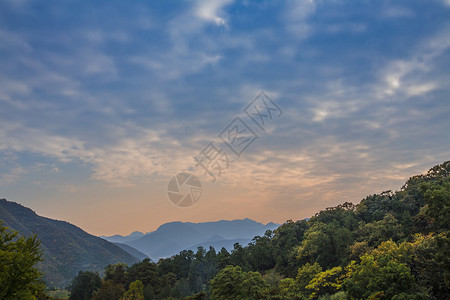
[132, 251]
[170, 238]
[122, 239]
[67, 248]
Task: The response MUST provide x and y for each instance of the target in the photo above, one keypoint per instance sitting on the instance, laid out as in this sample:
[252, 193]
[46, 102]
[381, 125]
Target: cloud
[296, 16]
[407, 75]
[396, 12]
[131, 93]
[211, 11]
[135, 156]
[12, 175]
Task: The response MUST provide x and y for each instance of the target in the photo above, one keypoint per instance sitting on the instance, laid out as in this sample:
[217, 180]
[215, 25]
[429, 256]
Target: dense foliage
[393, 245]
[19, 276]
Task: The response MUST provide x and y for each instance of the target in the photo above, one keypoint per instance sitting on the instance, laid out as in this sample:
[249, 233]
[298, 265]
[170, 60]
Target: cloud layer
[106, 96]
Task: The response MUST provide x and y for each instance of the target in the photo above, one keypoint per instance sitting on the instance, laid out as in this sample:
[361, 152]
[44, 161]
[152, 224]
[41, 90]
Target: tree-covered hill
[66, 248]
[392, 245]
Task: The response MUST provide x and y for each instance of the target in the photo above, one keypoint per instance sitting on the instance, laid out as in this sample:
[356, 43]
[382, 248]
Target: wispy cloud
[212, 11]
[128, 94]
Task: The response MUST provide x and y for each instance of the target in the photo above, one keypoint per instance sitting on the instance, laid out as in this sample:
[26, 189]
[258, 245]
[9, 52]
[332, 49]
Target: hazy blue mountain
[123, 238]
[171, 238]
[132, 251]
[67, 248]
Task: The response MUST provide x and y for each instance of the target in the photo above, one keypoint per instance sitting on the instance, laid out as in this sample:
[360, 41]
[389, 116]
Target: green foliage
[223, 258]
[109, 291]
[305, 274]
[287, 289]
[198, 296]
[285, 240]
[144, 271]
[84, 285]
[232, 283]
[260, 252]
[326, 244]
[116, 273]
[378, 231]
[135, 291]
[338, 296]
[343, 215]
[19, 276]
[382, 274]
[437, 210]
[239, 257]
[358, 249]
[326, 282]
[56, 293]
[429, 260]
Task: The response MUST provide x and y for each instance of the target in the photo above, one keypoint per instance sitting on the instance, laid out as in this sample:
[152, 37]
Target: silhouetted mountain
[67, 248]
[171, 238]
[132, 251]
[122, 239]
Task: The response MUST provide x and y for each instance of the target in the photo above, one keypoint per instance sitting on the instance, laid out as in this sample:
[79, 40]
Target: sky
[103, 102]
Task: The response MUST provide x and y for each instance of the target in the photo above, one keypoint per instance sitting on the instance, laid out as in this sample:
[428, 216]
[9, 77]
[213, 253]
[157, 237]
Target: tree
[19, 276]
[109, 291]
[232, 283]
[437, 198]
[382, 274]
[343, 215]
[358, 249]
[305, 274]
[145, 271]
[429, 260]
[289, 290]
[239, 257]
[260, 252]
[223, 258]
[326, 244]
[376, 232]
[326, 283]
[84, 285]
[135, 292]
[181, 288]
[285, 240]
[116, 273]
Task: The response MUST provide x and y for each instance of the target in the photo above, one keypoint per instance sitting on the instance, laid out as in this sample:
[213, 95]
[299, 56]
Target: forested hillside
[66, 248]
[393, 245]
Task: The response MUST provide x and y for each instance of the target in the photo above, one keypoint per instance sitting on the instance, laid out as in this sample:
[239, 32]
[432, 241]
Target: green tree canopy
[232, 283]
[84, 285]
[382, 275]
[19, 276]
[135, 291]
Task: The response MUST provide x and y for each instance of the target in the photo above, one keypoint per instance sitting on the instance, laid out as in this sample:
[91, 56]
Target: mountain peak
[170, 238]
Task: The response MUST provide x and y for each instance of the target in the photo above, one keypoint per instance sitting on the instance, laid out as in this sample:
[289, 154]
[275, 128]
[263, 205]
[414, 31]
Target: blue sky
[102, 102]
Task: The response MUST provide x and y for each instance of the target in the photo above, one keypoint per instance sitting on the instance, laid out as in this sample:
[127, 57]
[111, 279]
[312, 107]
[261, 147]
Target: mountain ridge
[66, 247]
[172, 237]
